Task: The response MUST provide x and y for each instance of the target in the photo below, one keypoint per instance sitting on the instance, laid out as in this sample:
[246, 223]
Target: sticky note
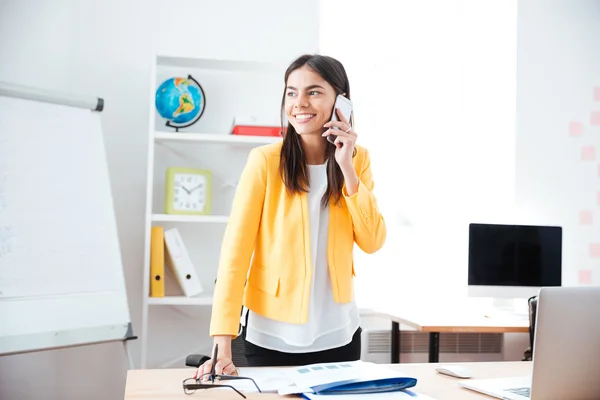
[595, 250]
[575, 129]
[595, 118]
[597, 93]
[588, 153]
[586, 217]
[585, 276]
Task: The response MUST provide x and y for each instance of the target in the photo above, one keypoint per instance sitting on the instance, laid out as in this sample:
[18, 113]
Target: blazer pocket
[263, 280]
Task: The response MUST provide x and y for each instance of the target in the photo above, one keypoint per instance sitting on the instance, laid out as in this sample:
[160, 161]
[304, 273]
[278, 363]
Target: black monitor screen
[515, 255]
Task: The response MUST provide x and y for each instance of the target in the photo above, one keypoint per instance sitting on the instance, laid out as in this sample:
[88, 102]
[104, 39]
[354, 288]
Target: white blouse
[330, 324]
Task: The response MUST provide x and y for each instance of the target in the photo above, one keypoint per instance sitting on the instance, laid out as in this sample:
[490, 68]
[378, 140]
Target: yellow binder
[157, 262]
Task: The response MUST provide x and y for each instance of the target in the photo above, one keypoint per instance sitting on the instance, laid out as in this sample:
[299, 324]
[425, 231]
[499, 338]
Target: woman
[299, 207]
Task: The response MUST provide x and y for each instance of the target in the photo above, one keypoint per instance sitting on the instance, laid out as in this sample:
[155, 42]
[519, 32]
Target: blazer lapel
[333, 215]
[303, 208]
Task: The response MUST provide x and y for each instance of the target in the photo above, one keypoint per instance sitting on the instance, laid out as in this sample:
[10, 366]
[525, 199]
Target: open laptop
[566, 350]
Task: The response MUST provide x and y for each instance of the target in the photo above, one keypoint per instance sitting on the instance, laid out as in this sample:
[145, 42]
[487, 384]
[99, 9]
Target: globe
[180, 101]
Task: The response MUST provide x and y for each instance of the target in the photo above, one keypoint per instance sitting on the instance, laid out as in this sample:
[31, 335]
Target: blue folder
[357, 386]
[348, 378]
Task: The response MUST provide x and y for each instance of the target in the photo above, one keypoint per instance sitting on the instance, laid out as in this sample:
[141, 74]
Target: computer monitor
[513, 261]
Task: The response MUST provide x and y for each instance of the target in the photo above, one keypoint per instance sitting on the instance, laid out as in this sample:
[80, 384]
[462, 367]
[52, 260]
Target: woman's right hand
[224, 366]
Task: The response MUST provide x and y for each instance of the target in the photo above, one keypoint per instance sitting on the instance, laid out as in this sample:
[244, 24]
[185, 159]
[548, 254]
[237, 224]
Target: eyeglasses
[190, 385]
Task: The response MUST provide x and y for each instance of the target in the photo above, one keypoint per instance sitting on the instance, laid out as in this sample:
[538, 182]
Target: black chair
[195, 360]
[528, 355]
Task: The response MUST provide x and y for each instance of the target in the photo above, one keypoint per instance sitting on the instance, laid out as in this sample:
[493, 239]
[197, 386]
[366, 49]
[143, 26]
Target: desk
[165, 384]
[436, 321]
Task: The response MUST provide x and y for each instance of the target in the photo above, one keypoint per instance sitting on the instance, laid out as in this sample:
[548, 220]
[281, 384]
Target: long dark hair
[292, 165]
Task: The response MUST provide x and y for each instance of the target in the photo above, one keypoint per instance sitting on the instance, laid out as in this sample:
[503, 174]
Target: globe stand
[177, 127]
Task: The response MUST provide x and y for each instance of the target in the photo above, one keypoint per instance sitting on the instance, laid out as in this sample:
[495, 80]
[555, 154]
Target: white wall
[105, 49]
[558, 92]
[558, 118]
[100, 49]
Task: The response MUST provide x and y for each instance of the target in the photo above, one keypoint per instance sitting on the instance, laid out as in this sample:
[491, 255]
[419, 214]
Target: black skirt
[257, 356]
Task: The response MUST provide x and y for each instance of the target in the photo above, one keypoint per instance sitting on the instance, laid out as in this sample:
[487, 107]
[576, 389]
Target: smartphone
[345, 106]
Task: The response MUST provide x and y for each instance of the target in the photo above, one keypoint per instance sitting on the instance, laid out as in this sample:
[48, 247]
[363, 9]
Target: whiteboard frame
[65, 99]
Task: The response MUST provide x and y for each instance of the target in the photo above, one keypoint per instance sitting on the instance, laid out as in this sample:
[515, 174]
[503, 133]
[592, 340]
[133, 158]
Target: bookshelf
[244, 89]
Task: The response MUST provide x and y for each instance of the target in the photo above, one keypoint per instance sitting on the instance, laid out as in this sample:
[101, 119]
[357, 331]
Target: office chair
[527, 356]
[195, 360]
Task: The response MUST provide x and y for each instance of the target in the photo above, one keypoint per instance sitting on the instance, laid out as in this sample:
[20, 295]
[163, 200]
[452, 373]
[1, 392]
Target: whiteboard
[61, 276]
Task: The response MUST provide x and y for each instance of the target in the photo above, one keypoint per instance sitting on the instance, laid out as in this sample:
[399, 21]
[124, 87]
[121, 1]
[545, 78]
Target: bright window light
[434, 88]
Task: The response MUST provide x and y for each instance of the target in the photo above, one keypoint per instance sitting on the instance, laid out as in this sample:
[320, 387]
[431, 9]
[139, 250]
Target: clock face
[189, 192]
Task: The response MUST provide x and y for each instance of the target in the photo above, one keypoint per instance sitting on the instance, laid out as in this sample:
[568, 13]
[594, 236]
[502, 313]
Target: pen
[214, 362]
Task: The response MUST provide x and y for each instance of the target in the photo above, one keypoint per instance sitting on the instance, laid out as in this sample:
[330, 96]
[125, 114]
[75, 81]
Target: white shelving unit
[213, 138]
[180, 301]
[189, 218]
[233, 88]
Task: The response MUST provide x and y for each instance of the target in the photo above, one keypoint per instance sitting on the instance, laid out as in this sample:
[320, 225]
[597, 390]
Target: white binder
[180, 263]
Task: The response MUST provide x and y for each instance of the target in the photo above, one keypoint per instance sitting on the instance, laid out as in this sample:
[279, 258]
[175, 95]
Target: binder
[157, 262]
[180, 264]
[346, 378]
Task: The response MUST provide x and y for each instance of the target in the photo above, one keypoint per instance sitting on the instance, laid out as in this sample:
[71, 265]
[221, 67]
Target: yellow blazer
[267, 221]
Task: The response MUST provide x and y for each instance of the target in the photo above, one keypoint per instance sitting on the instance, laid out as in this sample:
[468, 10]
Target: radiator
[414, 346]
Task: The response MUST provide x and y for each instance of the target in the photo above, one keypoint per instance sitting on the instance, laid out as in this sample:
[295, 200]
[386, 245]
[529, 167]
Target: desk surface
[165, 384]
[428, 319]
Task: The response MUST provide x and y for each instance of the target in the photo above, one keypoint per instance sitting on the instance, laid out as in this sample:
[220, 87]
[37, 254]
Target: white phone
[345, 106]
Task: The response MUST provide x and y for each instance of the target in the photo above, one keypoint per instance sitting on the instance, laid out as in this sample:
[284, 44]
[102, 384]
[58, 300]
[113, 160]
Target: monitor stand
[509, 308]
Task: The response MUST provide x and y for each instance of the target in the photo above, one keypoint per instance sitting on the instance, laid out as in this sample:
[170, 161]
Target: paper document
[322, 374]
[269, 380]
[343, 381]
[345, 378]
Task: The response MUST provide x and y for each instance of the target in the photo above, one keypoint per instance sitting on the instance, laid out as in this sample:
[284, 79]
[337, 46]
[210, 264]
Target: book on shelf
[180, 264]
[157, 262]
[251, 126]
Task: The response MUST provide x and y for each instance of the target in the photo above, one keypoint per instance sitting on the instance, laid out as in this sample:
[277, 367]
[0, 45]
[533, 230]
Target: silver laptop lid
[566, 352]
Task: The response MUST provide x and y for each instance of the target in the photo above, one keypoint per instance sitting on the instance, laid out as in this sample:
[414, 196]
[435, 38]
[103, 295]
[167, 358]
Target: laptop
[566, 350]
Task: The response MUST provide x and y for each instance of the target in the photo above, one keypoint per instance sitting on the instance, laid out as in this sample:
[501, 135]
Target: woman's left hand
[344, 143]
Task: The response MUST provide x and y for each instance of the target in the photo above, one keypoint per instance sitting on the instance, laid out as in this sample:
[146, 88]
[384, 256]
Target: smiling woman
[312, 84]
[286, 257]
